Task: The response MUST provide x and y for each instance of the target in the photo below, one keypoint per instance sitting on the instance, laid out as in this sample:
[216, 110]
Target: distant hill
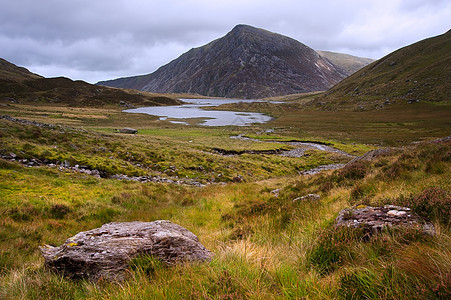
[349, 63]
[9, 71]
[19, 85]
[418, 72]
[248, 62]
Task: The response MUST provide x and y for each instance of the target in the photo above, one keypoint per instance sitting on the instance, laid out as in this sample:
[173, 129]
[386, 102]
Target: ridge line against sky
[107, 39]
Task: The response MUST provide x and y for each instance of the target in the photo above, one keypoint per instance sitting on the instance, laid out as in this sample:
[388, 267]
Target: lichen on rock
[105, 252]
[378, 218]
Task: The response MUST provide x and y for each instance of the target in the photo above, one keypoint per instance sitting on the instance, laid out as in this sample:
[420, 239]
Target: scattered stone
[275, 192]
[238, 178]
[26, 122]
[378, 218]
[65, 164]
[105, 252]
[128, 130]
[156, 179]
[308, 197]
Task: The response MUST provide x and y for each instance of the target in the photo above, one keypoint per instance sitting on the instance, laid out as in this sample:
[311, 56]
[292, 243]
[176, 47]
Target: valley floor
[266, 245]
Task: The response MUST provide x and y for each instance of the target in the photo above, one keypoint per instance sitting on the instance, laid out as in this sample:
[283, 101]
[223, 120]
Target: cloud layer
[105, 39]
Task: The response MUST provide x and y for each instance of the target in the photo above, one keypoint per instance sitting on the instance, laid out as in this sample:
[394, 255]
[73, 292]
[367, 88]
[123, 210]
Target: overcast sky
[97, 40]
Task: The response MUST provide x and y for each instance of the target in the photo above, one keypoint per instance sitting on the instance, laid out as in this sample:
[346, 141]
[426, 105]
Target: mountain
[349, 63]
[418, 72]
[248, 62]
[17, 84]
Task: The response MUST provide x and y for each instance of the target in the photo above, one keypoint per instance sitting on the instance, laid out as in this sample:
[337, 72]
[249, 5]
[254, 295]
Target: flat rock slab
[105, 252]
[377, 218]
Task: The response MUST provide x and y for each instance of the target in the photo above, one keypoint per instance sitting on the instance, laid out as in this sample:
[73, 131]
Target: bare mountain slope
[248, 62]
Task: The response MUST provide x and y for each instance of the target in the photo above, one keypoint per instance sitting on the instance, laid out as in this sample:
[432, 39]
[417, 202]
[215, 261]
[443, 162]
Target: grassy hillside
[9, 71]
[18, 85]
[418, 72]
[266, 247]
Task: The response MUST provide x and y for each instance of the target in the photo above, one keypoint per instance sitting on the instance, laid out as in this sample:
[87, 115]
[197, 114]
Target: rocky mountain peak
[247, 62]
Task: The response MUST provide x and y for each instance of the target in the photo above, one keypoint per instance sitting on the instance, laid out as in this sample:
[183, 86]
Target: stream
[299, 151]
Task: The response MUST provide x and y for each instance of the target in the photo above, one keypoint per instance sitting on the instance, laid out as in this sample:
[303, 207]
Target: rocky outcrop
[248, 62]
[378, 218]
[105, 252]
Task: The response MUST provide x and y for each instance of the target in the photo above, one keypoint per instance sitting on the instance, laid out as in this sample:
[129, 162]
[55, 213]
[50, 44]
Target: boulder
[378, 218]
[105, 252]
[128, 130]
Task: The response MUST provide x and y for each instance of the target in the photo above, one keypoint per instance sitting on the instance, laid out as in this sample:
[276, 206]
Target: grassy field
[266, 247]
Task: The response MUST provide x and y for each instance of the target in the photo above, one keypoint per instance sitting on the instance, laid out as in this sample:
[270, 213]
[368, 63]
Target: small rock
[275, 192]
[238, 178]
[128, 130]
[307, 197]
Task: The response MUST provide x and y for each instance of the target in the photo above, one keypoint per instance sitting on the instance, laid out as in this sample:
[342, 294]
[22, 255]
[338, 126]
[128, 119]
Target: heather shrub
[332, 249]
[58, 211]
[354, 171]
[433, 203]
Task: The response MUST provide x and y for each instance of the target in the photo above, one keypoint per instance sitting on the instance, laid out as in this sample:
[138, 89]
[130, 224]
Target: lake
[196, 108]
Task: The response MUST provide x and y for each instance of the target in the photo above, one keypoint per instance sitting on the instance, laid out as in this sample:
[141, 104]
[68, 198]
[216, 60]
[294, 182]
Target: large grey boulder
[105, 252]
[378, 218]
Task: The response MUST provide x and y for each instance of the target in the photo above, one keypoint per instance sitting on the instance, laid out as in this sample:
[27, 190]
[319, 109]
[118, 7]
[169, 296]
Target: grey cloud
[104, 39]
